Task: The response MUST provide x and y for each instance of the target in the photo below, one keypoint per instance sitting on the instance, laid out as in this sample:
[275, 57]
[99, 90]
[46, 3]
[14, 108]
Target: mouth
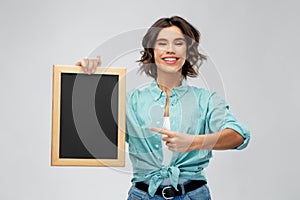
[170, 60]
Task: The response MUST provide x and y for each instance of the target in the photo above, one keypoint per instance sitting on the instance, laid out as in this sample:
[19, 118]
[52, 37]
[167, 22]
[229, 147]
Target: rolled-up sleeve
[219, 117]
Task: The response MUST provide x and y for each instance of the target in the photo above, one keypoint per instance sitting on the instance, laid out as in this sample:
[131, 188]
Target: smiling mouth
[170, 58]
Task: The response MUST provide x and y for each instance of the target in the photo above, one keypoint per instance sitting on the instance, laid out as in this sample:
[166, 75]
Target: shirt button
[157, 146]
[161, 106]
[158, 122]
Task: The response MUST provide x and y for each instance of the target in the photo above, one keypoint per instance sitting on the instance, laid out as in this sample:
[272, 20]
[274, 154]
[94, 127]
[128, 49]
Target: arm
[223, 140]
[182, 142]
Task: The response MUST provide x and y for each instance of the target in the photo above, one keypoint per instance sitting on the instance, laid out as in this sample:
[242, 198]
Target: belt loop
[182, 187]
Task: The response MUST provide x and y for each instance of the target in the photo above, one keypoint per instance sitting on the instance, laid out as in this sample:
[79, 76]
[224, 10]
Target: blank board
[88, 117]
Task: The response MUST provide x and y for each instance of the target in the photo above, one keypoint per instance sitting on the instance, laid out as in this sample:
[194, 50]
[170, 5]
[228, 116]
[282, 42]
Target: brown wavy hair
[194, 59]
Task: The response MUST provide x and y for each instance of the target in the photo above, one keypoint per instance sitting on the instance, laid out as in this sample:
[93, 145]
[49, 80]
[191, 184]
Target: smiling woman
[170, 51]
[159, 36]
[170, 116]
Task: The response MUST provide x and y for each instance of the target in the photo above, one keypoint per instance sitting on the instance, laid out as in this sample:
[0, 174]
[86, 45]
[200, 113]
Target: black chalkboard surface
[88, 117]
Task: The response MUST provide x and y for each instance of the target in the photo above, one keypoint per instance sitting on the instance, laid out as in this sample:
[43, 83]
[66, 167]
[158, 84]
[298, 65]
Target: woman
[190, 121]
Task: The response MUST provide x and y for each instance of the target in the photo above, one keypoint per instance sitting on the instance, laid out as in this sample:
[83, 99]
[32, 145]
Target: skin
[89, 65]
[169, 55]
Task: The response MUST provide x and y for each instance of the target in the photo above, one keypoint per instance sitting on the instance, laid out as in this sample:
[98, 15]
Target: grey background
[254, 46]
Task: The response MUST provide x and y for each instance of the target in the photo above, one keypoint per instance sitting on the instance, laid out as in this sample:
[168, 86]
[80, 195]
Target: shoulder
[138, 94]
[201, 92]
[206, 97]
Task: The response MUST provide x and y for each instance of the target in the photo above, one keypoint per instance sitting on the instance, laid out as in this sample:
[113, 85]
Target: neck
[168, 81]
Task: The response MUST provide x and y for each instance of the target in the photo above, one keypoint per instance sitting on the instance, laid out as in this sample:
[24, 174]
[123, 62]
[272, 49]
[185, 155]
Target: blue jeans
[202, 193]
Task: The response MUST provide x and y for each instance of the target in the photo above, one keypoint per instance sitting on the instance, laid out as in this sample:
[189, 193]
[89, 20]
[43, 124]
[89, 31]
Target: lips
[170, 60]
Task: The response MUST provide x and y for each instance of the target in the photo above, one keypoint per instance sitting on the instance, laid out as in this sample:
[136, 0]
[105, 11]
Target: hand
[89, 65]
[177, 142]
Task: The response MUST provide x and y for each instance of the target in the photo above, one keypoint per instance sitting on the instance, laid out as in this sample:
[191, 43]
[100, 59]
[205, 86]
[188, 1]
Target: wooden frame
[56, 159]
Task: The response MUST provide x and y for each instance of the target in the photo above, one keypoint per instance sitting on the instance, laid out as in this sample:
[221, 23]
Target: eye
[178, 43]
[162, 43]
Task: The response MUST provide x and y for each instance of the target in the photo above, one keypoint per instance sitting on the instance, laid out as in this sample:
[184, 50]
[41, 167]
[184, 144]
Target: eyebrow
[164, 39]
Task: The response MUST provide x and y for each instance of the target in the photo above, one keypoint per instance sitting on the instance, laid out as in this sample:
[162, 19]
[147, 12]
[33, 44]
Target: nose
[170, 48]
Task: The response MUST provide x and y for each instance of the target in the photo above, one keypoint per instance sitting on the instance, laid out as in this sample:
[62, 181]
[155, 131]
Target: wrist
[197, 142]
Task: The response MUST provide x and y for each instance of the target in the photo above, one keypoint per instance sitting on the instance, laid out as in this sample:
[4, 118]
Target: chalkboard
[88, 117]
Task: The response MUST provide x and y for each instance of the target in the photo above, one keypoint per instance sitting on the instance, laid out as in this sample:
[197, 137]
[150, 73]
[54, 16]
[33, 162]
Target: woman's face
[170, 50]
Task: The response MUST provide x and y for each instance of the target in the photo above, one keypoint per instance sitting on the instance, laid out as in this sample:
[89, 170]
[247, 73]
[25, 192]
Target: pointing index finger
[161, 131]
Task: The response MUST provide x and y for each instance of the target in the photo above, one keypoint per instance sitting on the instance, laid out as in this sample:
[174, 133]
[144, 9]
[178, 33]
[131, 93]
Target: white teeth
[170, 59]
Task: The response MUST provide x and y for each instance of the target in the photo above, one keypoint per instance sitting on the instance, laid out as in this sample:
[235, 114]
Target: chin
[170, 69]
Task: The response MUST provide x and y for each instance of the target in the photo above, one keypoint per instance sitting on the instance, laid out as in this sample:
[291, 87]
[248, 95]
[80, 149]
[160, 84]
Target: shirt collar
[178, 91]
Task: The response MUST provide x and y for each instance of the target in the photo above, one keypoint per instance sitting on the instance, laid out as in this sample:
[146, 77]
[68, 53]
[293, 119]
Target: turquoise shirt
[193, 111]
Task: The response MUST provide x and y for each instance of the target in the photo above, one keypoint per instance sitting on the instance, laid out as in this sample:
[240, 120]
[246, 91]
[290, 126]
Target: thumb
[98, 60]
